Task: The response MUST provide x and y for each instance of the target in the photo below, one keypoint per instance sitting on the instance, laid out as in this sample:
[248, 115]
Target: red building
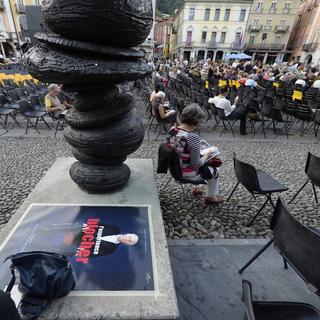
[162, 37]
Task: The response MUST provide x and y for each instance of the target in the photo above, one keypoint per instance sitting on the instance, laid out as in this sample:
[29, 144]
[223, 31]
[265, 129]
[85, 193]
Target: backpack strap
[12, 280]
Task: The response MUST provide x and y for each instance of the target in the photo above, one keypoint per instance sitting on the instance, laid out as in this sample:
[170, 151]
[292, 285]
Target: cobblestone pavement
[24, 161]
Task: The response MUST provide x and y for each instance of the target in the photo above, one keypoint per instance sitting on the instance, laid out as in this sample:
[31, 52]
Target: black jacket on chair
[164, 155]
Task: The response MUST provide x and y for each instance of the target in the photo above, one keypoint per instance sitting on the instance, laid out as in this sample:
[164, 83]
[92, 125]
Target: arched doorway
[308, 59]
[219, 55]
[210, 54]
[9, 50]
[201, 54]
[186, 55]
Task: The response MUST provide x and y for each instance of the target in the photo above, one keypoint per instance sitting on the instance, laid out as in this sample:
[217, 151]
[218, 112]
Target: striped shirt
[187, 145]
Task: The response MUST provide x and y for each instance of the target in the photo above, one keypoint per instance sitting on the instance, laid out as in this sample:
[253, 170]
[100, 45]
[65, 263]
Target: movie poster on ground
[109, 247]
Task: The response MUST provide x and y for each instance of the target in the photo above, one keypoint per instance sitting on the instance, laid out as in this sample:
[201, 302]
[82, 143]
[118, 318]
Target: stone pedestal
[57, 187]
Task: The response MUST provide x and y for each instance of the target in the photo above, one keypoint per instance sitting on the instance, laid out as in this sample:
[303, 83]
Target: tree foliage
[168, 6]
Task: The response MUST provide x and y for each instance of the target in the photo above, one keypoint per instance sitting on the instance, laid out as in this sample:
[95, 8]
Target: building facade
[305, 37]
[12, 25]
[209, 29]
[162, 33]
[269, 27]
[148, 45]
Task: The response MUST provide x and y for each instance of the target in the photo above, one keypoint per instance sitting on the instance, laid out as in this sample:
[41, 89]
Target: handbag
[44, 276]
[215, 162]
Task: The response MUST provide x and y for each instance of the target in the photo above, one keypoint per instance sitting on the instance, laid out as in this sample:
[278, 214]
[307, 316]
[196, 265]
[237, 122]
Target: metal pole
[15, 28]
[2, 50]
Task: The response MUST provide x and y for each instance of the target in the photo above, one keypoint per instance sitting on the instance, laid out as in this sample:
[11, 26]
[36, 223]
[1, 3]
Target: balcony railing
[188, 44]
[286, 10]
[265, 46]
[20, 8]
[255, 28]
[236, 45]
[310, 47]
[267, 28]
[212, 45]
[272, 10]
[282, 28]
[259, 10]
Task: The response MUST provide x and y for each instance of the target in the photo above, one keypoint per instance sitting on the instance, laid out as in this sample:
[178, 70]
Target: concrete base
[209, 286]
[57, 187]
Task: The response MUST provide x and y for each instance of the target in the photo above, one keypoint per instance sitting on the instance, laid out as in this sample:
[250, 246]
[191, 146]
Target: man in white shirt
[232, 112]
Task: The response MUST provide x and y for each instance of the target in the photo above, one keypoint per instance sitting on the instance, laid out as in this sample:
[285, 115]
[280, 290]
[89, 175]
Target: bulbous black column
[90, 54]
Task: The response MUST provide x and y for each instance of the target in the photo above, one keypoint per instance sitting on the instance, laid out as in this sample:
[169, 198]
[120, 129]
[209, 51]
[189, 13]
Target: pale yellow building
[12, 23]
[269, 27]
[209, 29]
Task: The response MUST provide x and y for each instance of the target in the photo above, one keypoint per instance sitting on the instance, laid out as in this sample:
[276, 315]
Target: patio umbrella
[243, 56]
[231, 56]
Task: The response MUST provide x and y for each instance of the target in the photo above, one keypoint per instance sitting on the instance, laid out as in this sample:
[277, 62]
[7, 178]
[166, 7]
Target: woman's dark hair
[192, 115]
[223, 90]
[158, 87]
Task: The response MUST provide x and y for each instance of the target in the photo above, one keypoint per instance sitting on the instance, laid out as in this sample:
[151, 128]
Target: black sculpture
[90, 53]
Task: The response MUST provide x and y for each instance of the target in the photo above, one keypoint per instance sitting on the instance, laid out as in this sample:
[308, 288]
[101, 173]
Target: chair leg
[46, 123]
[231, 128]
[59, 125]
[315, 193]
[285, 263]
[270, 200]
[15, 120]
[298, 192]
[286, 129]
[233, 191]
[256, 256]
[260, 210]
[4, 126]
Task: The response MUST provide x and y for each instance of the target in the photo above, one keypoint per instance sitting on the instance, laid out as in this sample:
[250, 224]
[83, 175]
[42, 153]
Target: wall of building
[305, 38]
[269, 27]
[220, 31]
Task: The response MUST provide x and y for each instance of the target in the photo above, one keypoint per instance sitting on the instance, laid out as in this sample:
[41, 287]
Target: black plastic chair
[176, 175]
[299, 246]
[275, 310]
[276, 117]
[36, 104]
[257, 182]
[61, 123]
[7, 102]
[29, 113]
[225, 121]
[312, 171]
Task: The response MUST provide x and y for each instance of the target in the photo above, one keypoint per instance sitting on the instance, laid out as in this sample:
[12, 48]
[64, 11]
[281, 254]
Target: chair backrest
[4, 99]
[276, 115]
[246, 175]
[221, 114]
[35, 100]
[13, 95]
[312, 169]
[266, 109]
[247, 300]
[298, 244]
[317, 118]
[25, 106]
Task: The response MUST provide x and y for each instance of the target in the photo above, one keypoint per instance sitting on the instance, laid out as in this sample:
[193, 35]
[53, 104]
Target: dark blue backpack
[44, 276]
